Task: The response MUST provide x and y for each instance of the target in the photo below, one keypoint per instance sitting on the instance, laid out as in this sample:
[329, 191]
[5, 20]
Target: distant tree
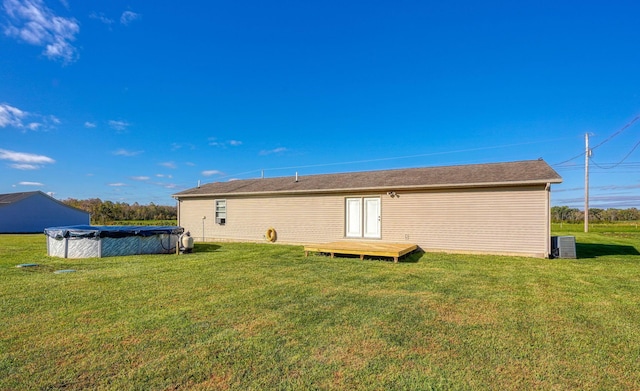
[611, 215]
[564, 214]
[596, 215]
[560, 214]
[104, 212]
[631, 214]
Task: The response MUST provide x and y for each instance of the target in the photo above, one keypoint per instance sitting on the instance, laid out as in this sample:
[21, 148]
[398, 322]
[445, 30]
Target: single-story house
[497, 208]
[33, 211]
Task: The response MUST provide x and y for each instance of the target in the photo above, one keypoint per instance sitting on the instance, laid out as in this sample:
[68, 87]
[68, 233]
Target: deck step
[393, 250]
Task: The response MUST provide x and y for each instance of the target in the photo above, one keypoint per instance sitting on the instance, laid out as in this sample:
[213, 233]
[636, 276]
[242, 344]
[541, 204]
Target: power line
[568, 160]
[619, 131]
[620, 167]
[627, 125]
[621, 161]
[390, 158]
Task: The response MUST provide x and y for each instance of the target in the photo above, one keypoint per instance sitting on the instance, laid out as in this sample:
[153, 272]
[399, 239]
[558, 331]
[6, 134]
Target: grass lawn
[144, 222]
[259, 316]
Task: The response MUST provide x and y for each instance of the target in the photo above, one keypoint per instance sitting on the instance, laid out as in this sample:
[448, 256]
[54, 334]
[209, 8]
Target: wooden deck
[393, 250]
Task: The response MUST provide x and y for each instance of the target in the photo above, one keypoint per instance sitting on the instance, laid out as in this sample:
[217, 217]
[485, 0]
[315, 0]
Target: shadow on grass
[40, 268]
[205, 247]
[412, 257]
[594, 250]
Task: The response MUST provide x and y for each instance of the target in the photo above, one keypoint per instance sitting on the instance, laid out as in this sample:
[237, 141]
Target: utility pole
[587, 154]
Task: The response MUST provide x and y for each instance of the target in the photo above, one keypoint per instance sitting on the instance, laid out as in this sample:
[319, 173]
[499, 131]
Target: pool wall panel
[80, 245]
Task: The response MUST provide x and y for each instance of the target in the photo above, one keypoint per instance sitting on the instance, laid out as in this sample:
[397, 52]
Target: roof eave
[178, 196]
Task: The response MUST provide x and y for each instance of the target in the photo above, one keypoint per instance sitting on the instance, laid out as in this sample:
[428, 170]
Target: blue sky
[134, 101]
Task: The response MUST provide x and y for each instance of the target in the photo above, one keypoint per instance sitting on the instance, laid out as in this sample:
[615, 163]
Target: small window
[221, 212]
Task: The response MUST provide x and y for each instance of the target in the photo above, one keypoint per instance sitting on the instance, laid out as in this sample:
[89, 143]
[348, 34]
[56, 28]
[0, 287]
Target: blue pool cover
[110, 231]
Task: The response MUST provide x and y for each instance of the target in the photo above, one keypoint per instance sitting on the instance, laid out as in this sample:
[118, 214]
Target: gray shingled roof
[10, 198]
[476, 175]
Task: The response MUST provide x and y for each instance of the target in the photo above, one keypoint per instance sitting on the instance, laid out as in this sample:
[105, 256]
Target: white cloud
[24, 166]
[124, 152]
[211, 172]
[140, 178]
[16, 118]
[101, 17]
[214, 143]
[128, 17]
[11, 116]
[24, 158]
[90, 125]
[164, 176]
[31, 184]
[176, 146]
[33, 22]
[118, 184]
[168, 164]
[120, 126]
[272, 151]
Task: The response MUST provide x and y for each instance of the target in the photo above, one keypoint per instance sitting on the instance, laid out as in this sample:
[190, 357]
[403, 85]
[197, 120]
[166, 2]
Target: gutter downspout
[548, 229]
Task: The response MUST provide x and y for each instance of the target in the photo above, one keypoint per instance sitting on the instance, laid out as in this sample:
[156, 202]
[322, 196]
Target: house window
[362, 217]
[221, 212]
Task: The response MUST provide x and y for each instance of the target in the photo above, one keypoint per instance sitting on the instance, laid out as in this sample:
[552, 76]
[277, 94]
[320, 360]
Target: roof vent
[296, 176]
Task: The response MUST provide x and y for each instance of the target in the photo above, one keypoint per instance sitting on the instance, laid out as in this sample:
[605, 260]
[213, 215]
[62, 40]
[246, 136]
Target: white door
[353, 218]
[372, 218]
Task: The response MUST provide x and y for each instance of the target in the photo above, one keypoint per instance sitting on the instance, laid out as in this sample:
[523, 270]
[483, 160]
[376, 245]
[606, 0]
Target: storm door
[362, 217]
[372, 218]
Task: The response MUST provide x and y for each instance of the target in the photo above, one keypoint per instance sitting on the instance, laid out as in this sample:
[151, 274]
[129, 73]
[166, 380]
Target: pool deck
[393, 250]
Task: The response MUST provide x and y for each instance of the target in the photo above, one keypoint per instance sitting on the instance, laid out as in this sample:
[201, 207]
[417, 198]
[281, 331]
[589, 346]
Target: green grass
[144, 222]
[258, 316]
[627, 226]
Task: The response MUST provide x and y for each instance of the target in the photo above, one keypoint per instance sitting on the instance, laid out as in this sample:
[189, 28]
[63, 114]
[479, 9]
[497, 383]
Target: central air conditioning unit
[563, 247]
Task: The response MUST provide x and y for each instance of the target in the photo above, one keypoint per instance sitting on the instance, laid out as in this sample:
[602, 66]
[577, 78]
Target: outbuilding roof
[10, 198]
[475, 175]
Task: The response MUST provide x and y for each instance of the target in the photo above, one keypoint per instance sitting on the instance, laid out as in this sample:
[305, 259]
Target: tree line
[596, 215]
[104, 212]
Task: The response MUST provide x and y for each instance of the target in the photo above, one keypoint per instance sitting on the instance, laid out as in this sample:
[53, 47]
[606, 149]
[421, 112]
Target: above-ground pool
[88, 241]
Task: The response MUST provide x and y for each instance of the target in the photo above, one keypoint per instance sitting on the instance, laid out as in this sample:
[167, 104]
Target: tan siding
[512, 221]
[499, 221]
[190, 216]
[296, 219]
